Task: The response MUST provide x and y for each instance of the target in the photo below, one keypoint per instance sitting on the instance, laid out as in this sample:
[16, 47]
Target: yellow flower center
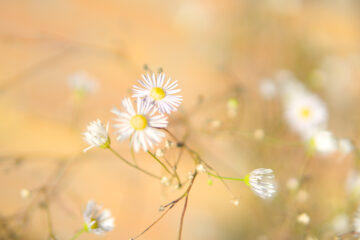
[157, 93]
[95, 225]
[138, 122]
[305, 113]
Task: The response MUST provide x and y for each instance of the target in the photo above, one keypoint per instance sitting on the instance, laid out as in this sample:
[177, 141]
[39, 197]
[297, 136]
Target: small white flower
[159, 153]
[165, 181]
[262, 182]
[96, 135]
[155, 90]
[141, 126]
[356, 222]
[306, 113]
[97, 221]
[303, 218]
[323, 142]
[268, 89]
[82, 83]
[200, 168]
[345, 146]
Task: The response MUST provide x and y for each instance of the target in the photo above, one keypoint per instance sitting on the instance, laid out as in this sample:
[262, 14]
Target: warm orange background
[209, 47]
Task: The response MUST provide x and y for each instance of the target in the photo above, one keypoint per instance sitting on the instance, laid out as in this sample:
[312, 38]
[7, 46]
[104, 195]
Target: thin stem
[133, 165]
[226, 178]
[170, 206]
[161, 163]
[76, 235]
[182, 216]
[48, 215]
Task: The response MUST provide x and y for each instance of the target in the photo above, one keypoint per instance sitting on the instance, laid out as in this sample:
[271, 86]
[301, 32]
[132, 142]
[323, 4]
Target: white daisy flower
[97, 221]
[306, 113]
[262, 182]
[97, 135]
[155, 89]
[141, 126]
[82, 83]
[345, 146]
[323, 142]
[268, 89]
[356, 222]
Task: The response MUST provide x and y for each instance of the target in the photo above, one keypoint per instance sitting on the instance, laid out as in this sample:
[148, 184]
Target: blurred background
[217, 50]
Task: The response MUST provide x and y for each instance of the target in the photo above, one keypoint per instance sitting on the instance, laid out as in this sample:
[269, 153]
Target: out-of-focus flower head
[340, 224]
[323, 142]
[268, 89]
[345, 146]
[82, 83]
[141, 125]
[97, 221]
[306, 114]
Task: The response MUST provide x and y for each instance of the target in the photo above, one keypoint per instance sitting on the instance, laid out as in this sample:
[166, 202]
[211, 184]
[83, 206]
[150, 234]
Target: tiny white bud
[165, 181]
[303, 218]
[235, 201]
[159, 153]
[25, 193]
[190, 175]
[169, 144]
[200, 168]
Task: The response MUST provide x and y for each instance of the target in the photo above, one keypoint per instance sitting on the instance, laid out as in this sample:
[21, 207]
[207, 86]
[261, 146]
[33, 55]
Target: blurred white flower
[165, 181]
[306, 114]
[345, 146]
[356, 222]
[235, 202]
[96, 135]
[97, 221]
[323, 142]
[159, 153]
[292, 184]
[155, 90]
[289, 87]
[268, 89]
[141, 126]
[303, 218]
[25, 193]
[82, 83]
[262, 182]
[340, 224]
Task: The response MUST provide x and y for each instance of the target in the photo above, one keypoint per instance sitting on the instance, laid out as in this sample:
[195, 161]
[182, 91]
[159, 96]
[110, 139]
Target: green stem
[133, 165]
[78, 234]
[161, 163]
[226, 178]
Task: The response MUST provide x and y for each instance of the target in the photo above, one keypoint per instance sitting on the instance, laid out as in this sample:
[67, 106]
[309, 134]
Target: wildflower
[155, 90]
[323, 142]
[303, 218]
[97, 221]
[268, 89]
[289, 87]
[140, 126]
[306, 113]
[169, 144]
[82, 83]
[97, 135]
[345, 146]
[261, 181]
